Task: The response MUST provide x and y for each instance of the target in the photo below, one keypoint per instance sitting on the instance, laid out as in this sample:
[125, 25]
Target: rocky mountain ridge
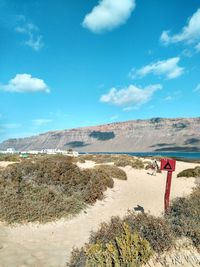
[156, 134]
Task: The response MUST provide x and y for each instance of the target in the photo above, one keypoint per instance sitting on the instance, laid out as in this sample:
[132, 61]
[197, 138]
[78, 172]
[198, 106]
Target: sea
[183, 155]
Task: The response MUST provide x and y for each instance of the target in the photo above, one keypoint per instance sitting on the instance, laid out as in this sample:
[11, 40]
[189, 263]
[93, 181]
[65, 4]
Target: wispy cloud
[189, 34]
[113, 118]
[25, 83]
[173, 96]
[169, 68]
[197, 88]
[130, 97]
[11, 125]
[197, 47]
[108, 14]
[41, 122]
[33, 38]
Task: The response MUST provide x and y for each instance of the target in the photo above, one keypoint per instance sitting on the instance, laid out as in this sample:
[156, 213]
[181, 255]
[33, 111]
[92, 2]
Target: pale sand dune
[50, 244]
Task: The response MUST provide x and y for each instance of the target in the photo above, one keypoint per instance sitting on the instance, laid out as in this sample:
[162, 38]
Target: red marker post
[169, 166]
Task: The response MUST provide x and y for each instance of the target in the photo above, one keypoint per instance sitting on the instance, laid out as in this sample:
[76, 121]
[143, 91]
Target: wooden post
[167, 191]
[168, 165]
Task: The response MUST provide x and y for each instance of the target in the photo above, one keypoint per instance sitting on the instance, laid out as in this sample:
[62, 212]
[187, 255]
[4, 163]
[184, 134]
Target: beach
[50, 244]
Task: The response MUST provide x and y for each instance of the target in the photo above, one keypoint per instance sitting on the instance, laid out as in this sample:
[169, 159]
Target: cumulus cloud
[41, 122]
[168, 68]
[190, 33]
[130, 97]
[25, 83]
[108, 14]
[32, 33]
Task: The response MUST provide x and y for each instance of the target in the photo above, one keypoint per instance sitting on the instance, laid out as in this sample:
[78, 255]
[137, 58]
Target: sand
[50, 244]
[4, 164]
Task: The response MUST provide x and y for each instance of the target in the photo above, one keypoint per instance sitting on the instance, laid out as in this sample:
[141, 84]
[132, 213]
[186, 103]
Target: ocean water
[186, 155]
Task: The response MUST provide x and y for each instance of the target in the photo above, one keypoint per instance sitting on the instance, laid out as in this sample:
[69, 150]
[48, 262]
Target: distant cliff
[157, 134]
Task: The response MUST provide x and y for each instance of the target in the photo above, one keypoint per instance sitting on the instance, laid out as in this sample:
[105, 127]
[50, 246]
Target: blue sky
[67, 64]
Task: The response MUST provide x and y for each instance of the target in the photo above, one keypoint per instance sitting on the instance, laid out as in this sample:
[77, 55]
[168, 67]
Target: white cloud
[197, 89]
[11, 125]
[33, 37]
[113, 118]
[130, 97]
[108, 14]
[168, 98]
[189, 34]
[25, 83]
[41, 122]
[168, 68]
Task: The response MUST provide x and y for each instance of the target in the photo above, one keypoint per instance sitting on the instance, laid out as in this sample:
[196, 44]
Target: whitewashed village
[22, 154]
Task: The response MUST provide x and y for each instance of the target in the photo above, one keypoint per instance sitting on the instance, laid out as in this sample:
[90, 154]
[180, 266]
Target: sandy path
[50, 244]
[4, 164]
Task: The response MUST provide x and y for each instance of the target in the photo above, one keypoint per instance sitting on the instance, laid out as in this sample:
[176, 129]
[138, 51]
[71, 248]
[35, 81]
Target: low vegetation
[132, 240]
[134, 163]
[9, 157]
[184, 217]
[193, 172]
[112, 171]
[48, 188]
[119, 160]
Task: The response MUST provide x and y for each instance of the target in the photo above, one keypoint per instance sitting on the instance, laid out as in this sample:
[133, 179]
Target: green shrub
[195, 172]
[112, 171]
[128, 249]
[184, 217]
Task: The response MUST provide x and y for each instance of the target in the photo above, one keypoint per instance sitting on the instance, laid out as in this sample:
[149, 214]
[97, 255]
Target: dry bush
[81, 160]
[129, 249]
[155, 230]
[113, 171]
[195, 172]
[48, 188]
[8, 157]
[160, 234]
[100, 158]
[134, 163]
[125, 249]
[184, 217]
[120, 160]
[107, 231]
[31, 202]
